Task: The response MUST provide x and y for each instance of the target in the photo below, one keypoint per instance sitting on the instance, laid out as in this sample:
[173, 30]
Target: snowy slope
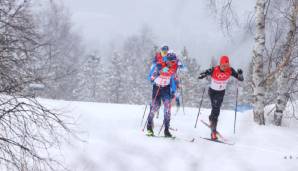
[114, 141]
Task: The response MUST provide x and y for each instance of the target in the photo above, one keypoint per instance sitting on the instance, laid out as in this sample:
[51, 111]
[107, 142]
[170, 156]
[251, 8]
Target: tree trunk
[282, 97]
[258, 73]
[284, 78]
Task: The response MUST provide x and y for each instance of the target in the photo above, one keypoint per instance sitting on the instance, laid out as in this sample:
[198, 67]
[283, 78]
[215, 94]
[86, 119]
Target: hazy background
[176, 23]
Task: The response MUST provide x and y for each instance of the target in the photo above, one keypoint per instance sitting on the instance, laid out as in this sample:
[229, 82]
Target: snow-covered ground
[114, 141]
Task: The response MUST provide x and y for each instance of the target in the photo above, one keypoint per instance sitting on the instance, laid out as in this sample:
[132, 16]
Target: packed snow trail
[114, 141]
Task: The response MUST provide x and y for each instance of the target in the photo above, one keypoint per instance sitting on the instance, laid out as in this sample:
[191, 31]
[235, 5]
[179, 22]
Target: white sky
[174, 22]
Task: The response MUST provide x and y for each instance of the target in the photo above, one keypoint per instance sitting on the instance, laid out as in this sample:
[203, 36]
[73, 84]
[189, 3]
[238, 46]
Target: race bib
[162, 81]
[219, 85]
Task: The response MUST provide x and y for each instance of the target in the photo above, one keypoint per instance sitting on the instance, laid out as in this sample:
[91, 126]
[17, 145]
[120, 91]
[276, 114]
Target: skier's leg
[216, 98]
[166, 98]
[155, 105]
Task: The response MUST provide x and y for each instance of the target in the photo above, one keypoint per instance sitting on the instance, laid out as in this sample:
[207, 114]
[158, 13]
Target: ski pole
[161, 128]
[182, 100]
[236, 109]
[152, 105]
[200, 107]
[144, 115]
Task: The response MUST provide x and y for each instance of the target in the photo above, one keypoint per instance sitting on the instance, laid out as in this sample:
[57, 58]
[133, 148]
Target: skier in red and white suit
[220, 76]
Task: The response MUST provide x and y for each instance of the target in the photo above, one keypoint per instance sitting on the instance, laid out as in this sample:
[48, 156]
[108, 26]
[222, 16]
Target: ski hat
[164, 48]
[224, 60]
[172, 56]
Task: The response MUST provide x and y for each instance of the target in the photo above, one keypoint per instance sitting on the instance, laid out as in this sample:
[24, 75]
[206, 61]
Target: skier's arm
[206, 73]
[173, 68]
[158, 58]
[153, 73]
[238, 75]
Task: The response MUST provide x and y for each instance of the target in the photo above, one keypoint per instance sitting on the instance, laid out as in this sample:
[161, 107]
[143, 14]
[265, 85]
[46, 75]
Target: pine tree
[245, 95]
[192, 87]
[59, 59]
[138, 51]
[114, 82]
[89, 85]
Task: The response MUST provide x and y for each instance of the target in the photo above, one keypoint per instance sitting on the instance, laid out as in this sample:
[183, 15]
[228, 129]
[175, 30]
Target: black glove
[240, 71]
[202, 75]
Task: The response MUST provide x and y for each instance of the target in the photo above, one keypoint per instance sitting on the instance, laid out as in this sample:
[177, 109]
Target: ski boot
[167, 133]
[214, 135]
[150, 131]
[213, 125]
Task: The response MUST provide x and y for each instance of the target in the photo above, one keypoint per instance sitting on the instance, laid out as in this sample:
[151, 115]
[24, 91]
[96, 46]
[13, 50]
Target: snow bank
[114, 141]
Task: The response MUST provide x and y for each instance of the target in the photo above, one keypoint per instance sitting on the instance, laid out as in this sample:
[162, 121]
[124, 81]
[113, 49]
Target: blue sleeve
[173, 84]
[151, 71]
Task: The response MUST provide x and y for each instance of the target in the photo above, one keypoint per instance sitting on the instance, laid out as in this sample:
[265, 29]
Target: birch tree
[227, 18]
[283, 80]
[257, 61]
[272, 61]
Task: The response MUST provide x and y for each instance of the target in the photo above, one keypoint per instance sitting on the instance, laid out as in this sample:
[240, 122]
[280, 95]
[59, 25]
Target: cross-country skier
[179, 92]
[220, 76]
[162, 75]
[172, 57]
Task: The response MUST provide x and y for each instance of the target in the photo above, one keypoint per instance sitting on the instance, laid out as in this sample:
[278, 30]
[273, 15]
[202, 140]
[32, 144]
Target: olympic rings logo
[221, 76]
